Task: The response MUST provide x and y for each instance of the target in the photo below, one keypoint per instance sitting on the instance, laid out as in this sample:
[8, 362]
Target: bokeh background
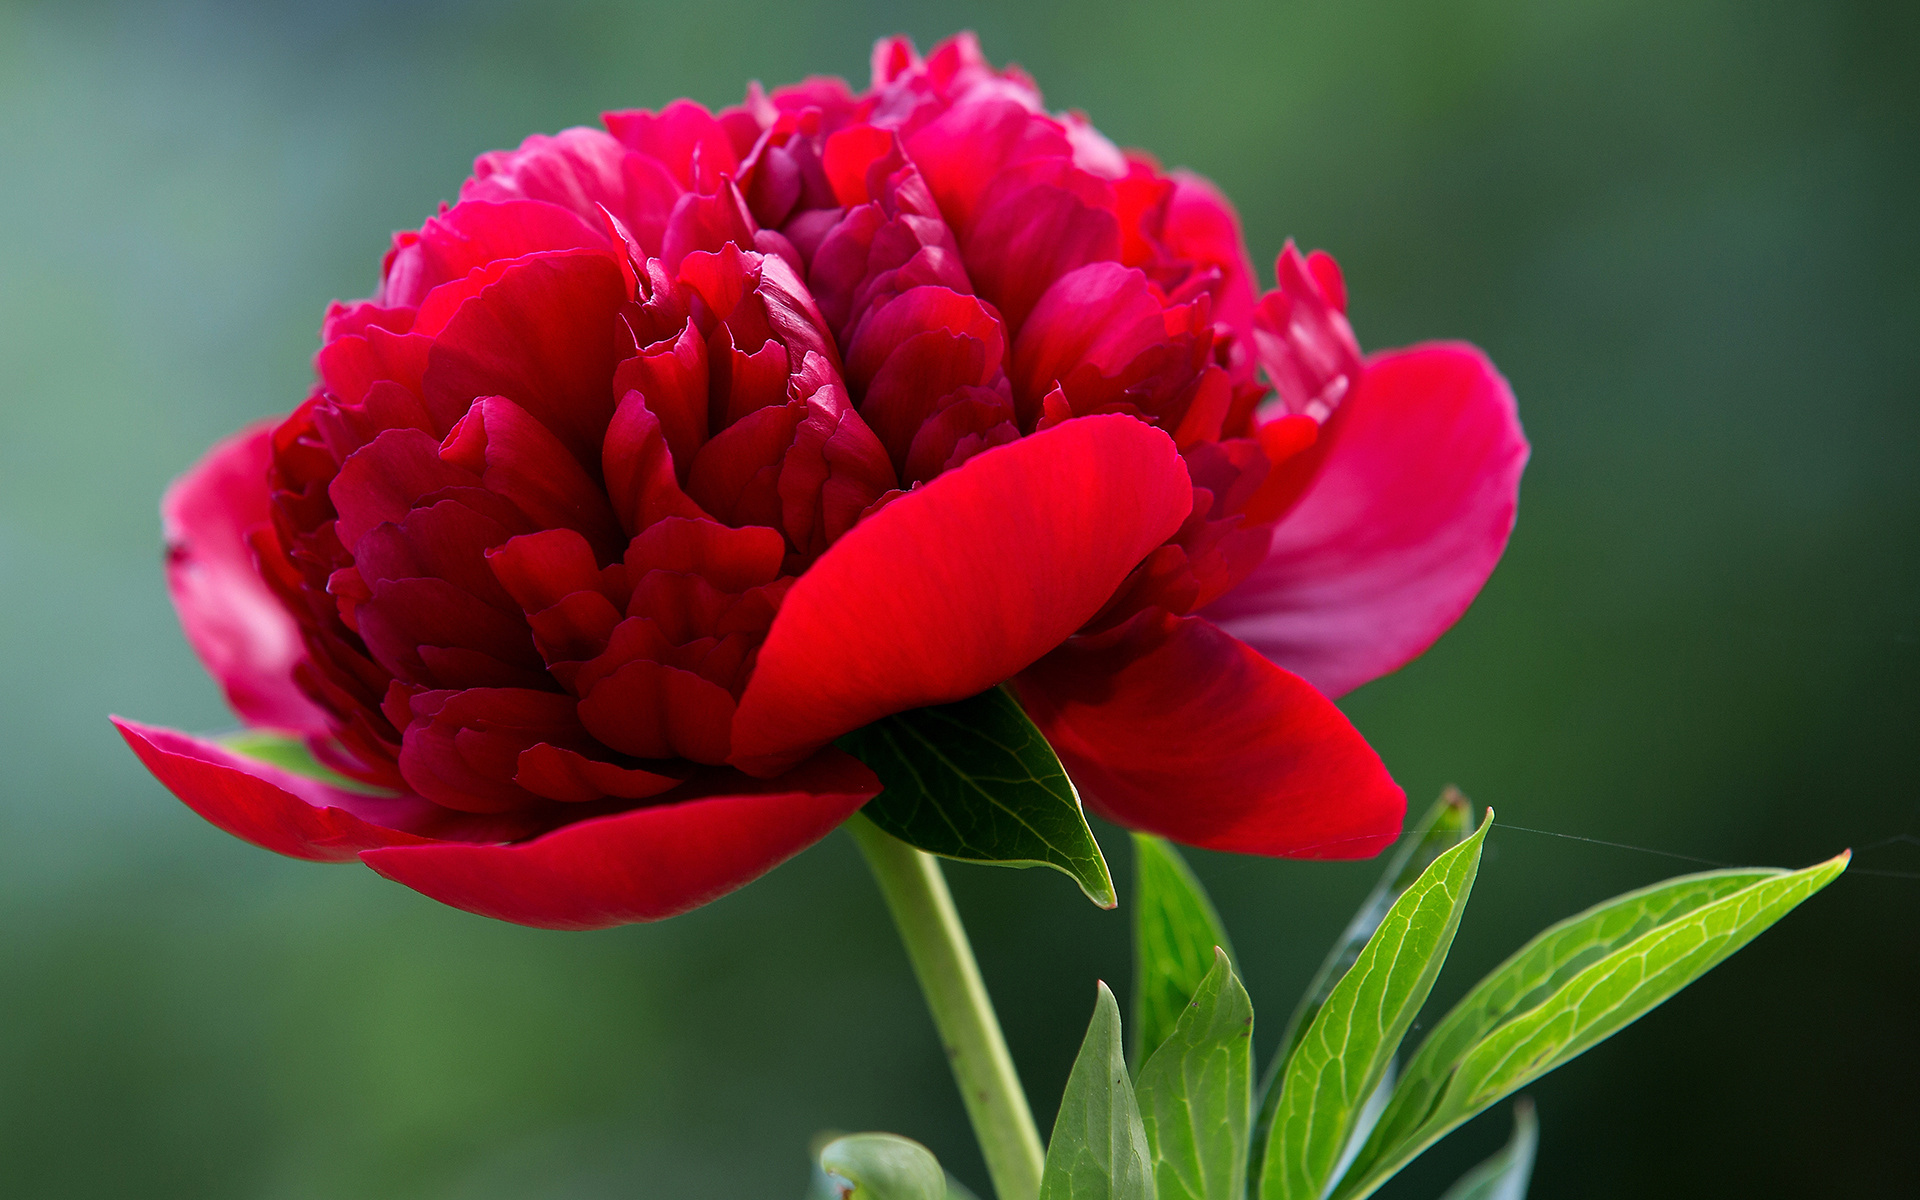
[1685, 230]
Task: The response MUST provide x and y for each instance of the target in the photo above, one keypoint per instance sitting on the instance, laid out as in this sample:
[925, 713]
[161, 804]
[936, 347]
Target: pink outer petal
[1400, 528]
[646, 864]
[961, 583]
[1180, 730]
[274, 809]
[243, 635]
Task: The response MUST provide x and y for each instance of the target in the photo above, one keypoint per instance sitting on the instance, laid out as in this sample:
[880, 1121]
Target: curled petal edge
[274, 809]
[1400, 527]
[645, 864]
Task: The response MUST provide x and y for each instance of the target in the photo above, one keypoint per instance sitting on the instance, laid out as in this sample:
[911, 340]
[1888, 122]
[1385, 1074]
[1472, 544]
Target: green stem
[923, 911]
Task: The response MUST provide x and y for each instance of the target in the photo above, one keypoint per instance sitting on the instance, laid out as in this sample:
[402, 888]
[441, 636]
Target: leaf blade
[976, 781]
[1440, 828]
[1098, 1150]
[1196, 1093]
[1548, 959]
[880, 1166]
[1175, 933]
[1444, 826]
[1351, 1041]
[1603, 996]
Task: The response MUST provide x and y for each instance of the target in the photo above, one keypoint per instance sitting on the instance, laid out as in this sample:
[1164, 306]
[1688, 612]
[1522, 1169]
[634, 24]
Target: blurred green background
[1687, 233]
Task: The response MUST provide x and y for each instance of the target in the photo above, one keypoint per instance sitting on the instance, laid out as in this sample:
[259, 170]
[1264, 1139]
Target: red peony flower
[674, 450]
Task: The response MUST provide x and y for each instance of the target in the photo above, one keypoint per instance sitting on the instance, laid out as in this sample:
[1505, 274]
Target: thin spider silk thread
[1574, 837]
[1908, 839]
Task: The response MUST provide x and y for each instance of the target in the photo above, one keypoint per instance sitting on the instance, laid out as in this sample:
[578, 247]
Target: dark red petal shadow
[961, 583]
[1180, 730]
[1400, 528]
[238, 627]
[643, 865]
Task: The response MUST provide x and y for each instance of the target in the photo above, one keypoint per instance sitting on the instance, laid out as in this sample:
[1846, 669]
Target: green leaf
[1364, 1123]
[1196, 1093]
[976, 781]
[1099, 1147]
[1350, 1043]
[289, 754]
[1543, 964]
[1504, 1176]
[880, 1166]
[1441, 828]
[1448, 823]
[1569, 989]
[1175, 932]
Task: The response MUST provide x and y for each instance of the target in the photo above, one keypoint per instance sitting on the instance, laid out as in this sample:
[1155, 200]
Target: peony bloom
[676, 449]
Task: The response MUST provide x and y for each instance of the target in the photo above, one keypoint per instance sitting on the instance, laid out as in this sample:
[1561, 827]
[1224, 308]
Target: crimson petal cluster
[675, 449]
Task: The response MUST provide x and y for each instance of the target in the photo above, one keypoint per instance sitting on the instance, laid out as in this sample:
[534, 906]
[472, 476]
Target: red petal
[846, 156]
[462, 749]
[1180, 730]
[571, 630]
[637, 460]
[243, 634]
[1202, 227]
[683, 136]
[1037, 222]
[706, 223]
[961, 583]
[733, 560]
[893, 57]
[1302, 337]
[283, 812]
[832, 473]
[921, 372]
[354, 364]
[405, 617]
[382, 481]
[1400, 528]
[1101, 315]
[476, 232]
[922, 310]
[578, 169]
[542, 335]
[976, 420]
[650, 710]
[540, 569]
[736, 475]
[562, 774]
[519, 458]
[644, 865]
[962, 152]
